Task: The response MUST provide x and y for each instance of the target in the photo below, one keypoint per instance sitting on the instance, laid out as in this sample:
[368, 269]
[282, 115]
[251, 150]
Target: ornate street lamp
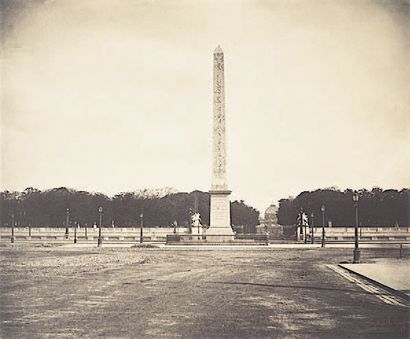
[67, 222]
[304, 223]
[299, 227]
[141, 228]
[12, 228]
[75, 232]
[323, 209]
[356, 251]
[100, 211]
[313, 231]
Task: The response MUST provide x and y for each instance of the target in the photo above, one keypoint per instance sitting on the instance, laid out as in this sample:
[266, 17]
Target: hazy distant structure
[269, 223]
[220, 218]
[271, 215]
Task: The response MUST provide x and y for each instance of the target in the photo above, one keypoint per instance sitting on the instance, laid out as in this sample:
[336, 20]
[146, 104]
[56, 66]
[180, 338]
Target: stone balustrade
[90, 233]
[160, 233]
[365, 233]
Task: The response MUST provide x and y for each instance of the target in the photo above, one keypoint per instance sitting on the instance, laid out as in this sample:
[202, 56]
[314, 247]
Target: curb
[379, 284]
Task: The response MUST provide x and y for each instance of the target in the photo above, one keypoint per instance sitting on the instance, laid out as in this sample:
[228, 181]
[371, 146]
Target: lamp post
[356, 251]
[304, 223]
[12, 228]
[199, 224]
[100, 211]
[141, 228]
[299, 227]
[323, 209]
[313, 225]
[67, 222]
[75, 232]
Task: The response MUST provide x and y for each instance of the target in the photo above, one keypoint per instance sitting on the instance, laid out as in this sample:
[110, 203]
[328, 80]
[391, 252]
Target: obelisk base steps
[220, 221]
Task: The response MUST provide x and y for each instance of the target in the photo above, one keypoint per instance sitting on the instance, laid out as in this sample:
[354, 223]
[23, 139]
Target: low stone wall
[160, 233]
[365, 233]
[215, 239]
[90, 233]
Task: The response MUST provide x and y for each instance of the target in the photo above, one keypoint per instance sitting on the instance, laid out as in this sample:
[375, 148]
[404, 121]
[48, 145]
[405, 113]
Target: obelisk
[220, 219]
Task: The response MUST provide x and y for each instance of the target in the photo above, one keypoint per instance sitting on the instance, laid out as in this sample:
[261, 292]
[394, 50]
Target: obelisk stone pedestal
[220, 213]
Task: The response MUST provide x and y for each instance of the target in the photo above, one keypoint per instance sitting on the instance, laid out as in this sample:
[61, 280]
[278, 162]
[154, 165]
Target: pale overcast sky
[111, 96]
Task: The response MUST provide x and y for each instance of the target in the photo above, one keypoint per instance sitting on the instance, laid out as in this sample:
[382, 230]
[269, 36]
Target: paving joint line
[382, 292]
[393, 291]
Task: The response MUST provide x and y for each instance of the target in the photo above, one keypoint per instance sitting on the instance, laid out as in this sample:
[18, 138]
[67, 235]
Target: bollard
[401, 251]
[75, 235]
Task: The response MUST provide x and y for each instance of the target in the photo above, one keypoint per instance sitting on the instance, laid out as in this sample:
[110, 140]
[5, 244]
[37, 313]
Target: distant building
[271, 215]
[268, 224]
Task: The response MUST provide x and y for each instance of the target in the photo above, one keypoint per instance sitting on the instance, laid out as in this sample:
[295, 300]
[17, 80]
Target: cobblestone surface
[139, 292]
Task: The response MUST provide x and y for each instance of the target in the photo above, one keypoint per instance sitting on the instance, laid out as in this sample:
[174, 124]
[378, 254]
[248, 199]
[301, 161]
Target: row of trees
[377, 207]
[159, 207]
[163, 207]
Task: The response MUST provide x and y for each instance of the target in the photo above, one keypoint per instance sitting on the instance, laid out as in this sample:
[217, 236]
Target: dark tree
[159, 207]
[242, 214]
[377, 207]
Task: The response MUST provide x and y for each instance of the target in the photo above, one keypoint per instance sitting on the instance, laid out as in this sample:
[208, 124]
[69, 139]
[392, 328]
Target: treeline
[159, 208]
[377, 207]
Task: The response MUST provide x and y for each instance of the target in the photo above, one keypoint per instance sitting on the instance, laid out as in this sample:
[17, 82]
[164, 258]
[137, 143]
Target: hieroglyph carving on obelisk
[220, 218]
[219, 144]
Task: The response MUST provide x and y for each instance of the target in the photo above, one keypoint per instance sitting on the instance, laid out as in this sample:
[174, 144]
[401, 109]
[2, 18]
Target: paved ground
[122, 292]
[394, 273]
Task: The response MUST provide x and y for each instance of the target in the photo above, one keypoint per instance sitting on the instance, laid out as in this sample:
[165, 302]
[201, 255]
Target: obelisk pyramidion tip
[218, 50]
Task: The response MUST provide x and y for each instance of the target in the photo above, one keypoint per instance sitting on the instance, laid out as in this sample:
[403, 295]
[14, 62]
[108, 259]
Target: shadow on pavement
[304, 287]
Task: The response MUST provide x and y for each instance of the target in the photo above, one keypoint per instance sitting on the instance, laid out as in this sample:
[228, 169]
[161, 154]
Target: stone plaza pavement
[393, 273]
[265, 292]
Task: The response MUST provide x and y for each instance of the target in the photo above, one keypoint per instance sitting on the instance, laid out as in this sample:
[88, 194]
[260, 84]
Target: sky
[116, 95]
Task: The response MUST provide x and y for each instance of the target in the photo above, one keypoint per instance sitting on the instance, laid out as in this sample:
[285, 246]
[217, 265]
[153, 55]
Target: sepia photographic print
[205, 169]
